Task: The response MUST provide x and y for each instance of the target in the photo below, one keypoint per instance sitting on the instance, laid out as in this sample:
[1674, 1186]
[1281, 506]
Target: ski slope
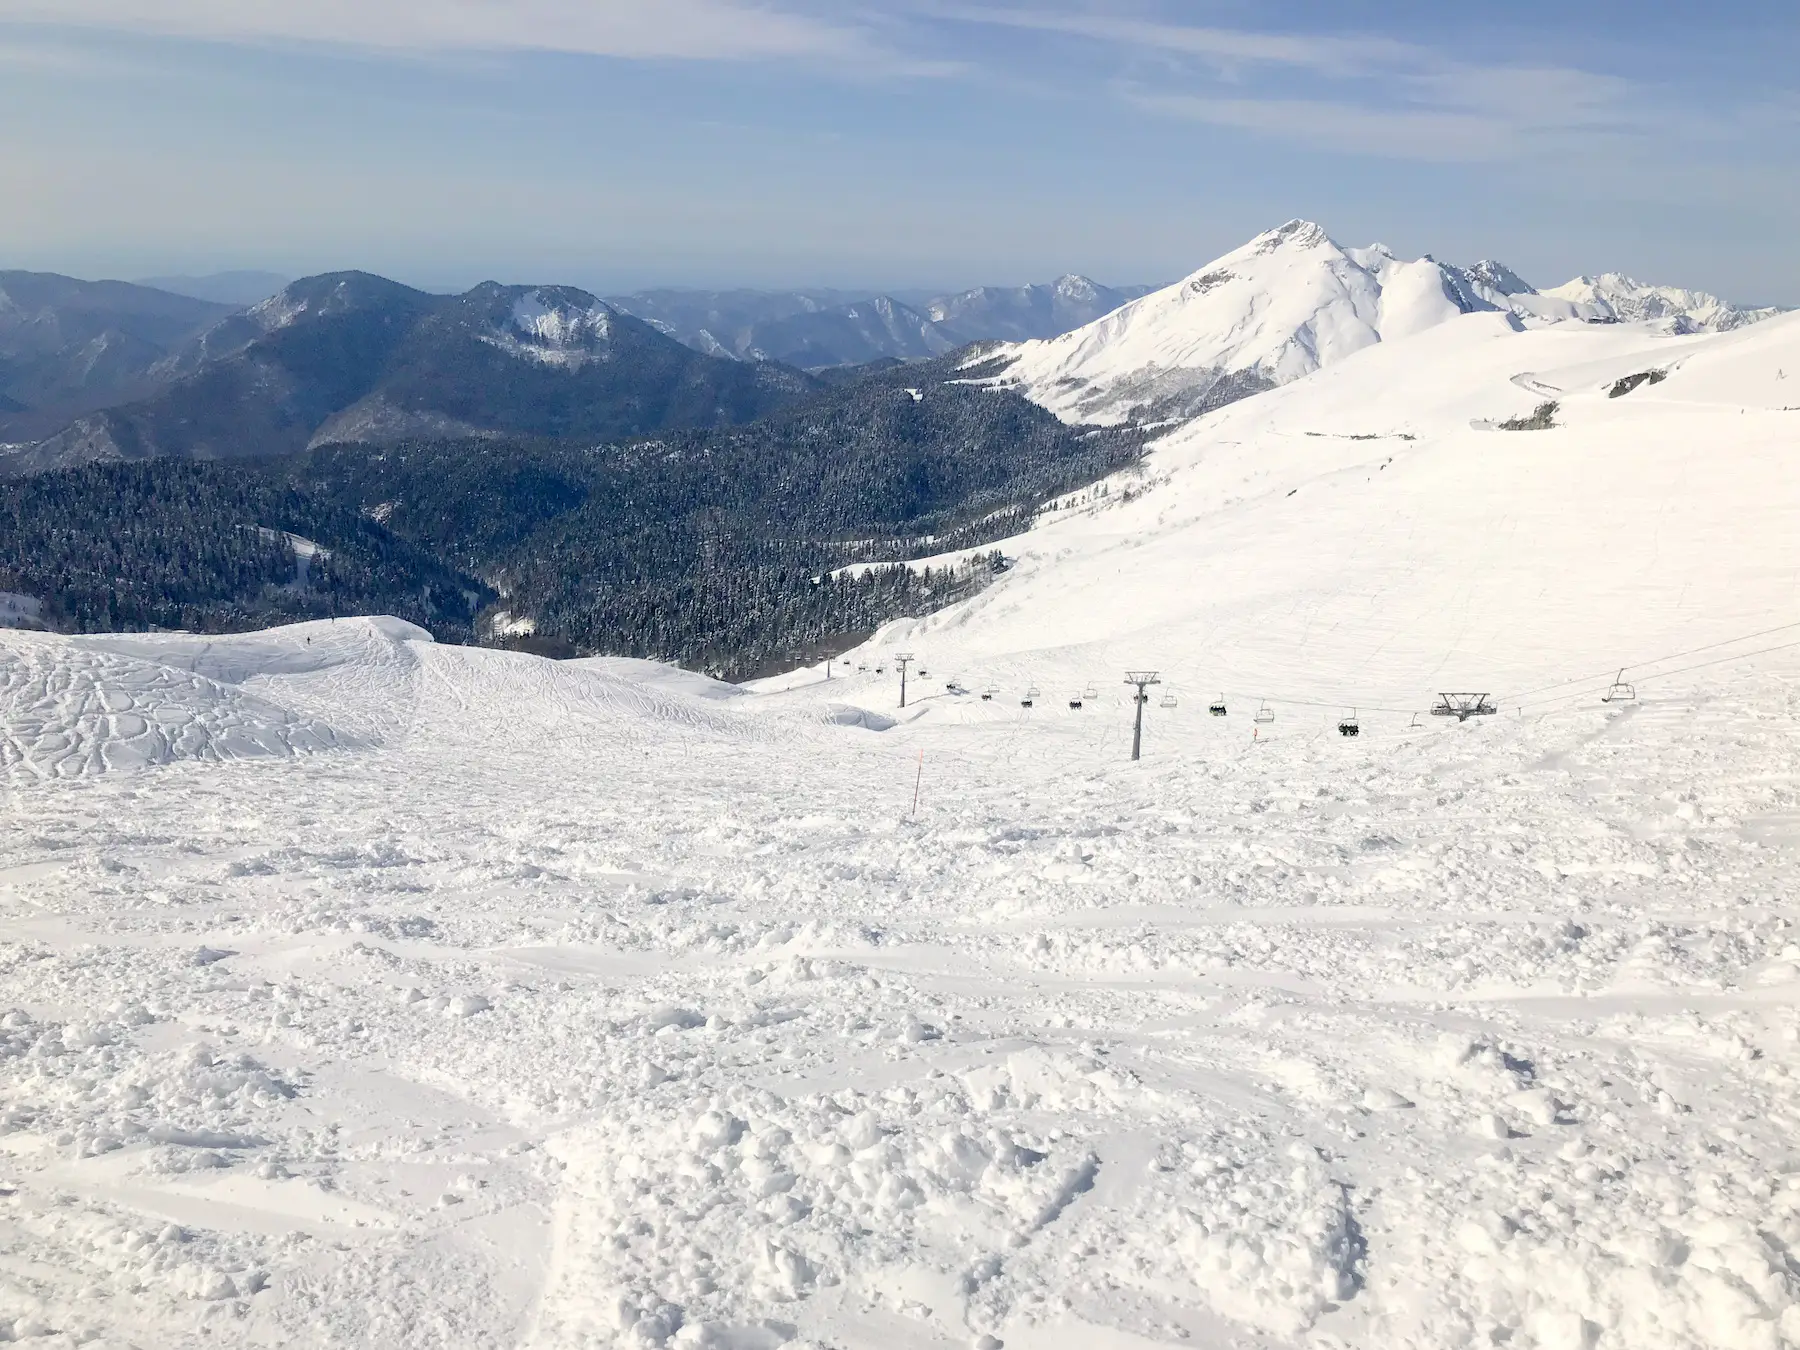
[357, 990]
[1367, 536]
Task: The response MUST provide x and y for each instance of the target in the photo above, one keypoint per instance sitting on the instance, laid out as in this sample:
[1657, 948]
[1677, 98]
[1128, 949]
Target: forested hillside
[715, 548]
[206, 547]
[712, 547]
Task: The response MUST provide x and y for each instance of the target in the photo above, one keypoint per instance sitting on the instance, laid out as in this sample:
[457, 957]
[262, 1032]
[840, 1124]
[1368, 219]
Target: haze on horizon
[924, 144]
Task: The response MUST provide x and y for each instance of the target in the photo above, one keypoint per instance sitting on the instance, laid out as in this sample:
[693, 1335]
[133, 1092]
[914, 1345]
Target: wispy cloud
[1361, 93]
[1227, 48]
[1332, 125]
[704, 30]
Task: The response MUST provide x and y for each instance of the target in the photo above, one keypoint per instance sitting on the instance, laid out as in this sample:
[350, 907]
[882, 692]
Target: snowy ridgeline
[357, 990]
[1292, 301]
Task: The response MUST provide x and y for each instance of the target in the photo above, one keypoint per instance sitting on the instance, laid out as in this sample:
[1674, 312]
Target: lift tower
[1141, 680]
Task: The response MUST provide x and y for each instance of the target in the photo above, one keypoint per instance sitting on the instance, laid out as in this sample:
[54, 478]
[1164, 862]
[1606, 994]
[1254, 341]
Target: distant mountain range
[820, 329]
[1289, 302]
[103, 371]
[354, 357]
[68, 347]
[99, 371]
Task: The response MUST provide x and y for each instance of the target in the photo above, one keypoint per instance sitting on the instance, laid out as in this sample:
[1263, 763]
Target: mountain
[69, 346]
[1286, 303]
[1617, 296]
[1290, 302]
[1019, 313]
[853, 335]
[725, 323]
[351, 356]
[226, 288]
[819, 330]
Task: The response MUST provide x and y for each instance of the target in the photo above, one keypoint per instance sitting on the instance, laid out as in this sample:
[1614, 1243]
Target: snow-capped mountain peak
[1291, 301]
[1271, 311]
[1498, 278]
[1623, 299]
[1295, 233]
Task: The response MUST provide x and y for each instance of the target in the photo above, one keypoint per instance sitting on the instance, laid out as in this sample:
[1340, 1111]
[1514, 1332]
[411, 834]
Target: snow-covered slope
[1282, 306]
[1289, 302]
[1367, 533]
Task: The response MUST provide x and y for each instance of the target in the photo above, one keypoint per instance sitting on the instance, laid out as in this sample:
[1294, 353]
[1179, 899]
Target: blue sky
[907, 143]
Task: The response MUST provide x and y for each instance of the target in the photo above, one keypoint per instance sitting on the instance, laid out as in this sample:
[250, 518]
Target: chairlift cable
[1683, 670]
[1652, 661]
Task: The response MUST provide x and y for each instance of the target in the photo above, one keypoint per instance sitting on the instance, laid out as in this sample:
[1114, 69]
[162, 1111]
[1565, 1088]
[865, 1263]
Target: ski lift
[1265, 714]
[1463, 706]
[987, 695]
[923, 672]
[1075, 702]
[1619, 691]
[1349, 726]
[1414, 724]
[1030, 697]
[1168, 699]
[1090, 691]
[1217, 706]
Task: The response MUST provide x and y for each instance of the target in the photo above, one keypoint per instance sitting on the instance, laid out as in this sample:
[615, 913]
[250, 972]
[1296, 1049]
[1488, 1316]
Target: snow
[19, 611]
[1282, 306]
[563, 328]
[1292, 301]
[411, 995]
[1619, 297]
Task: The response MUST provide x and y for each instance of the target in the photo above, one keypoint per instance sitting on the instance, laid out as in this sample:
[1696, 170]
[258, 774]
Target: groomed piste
[358, 990]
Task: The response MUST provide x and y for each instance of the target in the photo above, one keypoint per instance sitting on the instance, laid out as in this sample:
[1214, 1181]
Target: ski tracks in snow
[585, 1013]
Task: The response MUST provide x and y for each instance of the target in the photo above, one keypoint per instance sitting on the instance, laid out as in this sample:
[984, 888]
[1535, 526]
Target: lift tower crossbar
[1141, 680]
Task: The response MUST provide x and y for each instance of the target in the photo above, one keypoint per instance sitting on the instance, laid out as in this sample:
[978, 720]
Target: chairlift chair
[1030, 697]
[1090, 692]
[1075, 702]
[1349, 726]
[1265, 714]
[1217, 707]
[1168, 700]
[1618, 691]
[987, 695]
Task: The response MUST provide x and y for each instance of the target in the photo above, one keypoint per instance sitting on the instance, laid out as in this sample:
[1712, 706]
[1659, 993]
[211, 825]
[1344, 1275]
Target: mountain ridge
[1288, 302]
[69, 346]
[351, 355]
[820, 329]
